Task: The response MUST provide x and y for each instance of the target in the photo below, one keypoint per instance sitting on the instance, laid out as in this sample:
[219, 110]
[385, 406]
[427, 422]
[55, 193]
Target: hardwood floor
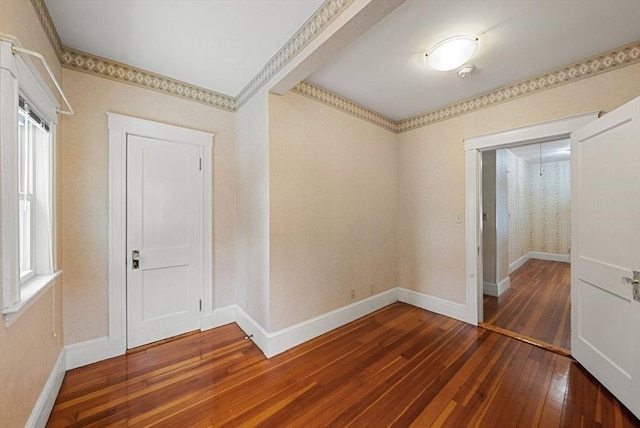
[537, 304]
[400, 366]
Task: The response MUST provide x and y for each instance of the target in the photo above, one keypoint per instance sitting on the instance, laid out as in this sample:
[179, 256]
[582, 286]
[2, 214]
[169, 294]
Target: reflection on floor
[400, 366]
[537, 304]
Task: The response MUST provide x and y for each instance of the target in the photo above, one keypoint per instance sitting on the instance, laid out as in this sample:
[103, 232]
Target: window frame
[19, 78]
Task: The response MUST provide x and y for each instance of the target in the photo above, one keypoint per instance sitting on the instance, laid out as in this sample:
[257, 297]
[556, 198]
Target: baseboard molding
[495, 290]
[219, 317]
[99, 349]
[42, 409]
[434, 304]
[274, 343]
[566, 258]
[518, 263]
[87, 352]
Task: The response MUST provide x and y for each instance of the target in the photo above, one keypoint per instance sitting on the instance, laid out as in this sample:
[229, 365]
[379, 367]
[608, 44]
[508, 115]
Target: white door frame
[538, 133]
[119, 127]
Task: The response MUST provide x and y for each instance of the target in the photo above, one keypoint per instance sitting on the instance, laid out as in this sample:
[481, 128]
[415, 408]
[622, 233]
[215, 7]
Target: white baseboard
[87, 352]
[219, 316]
[434, 304]
[274, 343]
[42, 409]
[254, 330]
[495, 290]
[279, 341]
[518, 263]
[566, 258]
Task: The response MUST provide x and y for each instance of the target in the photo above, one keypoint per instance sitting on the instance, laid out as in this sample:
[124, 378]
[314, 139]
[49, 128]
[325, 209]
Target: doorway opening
[526, 242]
[474, 147]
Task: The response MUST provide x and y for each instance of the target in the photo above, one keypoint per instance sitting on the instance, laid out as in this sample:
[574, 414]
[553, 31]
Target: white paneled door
[164, 239]
[605, 316]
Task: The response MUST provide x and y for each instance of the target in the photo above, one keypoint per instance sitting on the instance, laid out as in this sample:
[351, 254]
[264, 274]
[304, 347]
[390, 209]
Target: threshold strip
[527, 339]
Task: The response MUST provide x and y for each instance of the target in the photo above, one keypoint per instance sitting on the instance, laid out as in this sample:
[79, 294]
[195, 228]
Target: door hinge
[200, 305]
[200, 164]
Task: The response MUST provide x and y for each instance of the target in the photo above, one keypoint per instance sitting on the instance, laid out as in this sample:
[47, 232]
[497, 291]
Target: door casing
[119, 127]
[538, 133]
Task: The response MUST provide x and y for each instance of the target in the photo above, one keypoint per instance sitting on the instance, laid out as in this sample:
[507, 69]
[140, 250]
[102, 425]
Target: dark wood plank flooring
[400, 366]
[537, 304]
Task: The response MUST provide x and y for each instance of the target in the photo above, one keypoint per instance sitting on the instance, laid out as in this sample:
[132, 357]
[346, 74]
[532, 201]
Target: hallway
[537, 305]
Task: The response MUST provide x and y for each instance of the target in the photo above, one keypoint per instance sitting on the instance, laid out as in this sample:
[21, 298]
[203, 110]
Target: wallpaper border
[597, 64]
[47, 25]
[323, 16]
[93, 64]
[345, 105]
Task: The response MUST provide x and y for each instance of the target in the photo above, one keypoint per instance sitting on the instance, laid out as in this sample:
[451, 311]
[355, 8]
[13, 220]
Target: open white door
[164, 239]
[605, 221]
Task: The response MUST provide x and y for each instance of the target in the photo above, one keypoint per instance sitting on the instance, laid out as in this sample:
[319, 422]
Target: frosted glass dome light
[451, 53]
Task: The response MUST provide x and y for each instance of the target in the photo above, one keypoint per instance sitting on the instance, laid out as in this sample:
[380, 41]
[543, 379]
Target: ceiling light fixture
[451, 53]
[466, 70]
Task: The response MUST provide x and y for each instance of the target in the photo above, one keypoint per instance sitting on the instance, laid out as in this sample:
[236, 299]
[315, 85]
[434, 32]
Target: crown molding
[320, 94]
[598, 64]
[322, 17]
[89, 63]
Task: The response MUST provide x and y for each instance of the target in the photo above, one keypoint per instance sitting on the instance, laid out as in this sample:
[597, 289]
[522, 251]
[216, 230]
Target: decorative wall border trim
[606, 61]
[48, 26]
[322, 17]
[343, 104]
[113, 70]
[330, 9]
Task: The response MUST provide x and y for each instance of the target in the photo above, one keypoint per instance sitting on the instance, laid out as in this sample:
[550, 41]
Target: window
[27, 130]
[33, 187]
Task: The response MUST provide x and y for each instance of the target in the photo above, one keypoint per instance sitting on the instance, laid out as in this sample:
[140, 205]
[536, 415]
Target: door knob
[634, 283]
[135, 259]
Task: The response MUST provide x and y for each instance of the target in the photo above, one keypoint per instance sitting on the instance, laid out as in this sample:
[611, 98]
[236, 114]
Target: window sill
[29, 293]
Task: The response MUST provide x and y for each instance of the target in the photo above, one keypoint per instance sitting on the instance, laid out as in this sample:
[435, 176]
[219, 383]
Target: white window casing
[19, 78]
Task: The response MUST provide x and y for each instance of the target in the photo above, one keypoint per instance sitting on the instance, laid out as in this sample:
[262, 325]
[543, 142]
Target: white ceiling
[552, 151]
[222, 44]
[384, 68]
[219, 45]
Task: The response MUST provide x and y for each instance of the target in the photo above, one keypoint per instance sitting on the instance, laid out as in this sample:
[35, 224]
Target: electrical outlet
[371, 288]
[353, 293]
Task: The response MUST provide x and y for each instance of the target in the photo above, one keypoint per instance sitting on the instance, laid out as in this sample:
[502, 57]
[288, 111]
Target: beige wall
[431, 246]
[519, 205]
[29, 350]
[489, 244]
[502, 220]
[85, 192]
[30, 347]
[19, 19]
[333, 195]
[252, 234]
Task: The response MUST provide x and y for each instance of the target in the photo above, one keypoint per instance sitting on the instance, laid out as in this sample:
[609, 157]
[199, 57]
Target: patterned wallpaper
[551, 201]
[539, 206]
